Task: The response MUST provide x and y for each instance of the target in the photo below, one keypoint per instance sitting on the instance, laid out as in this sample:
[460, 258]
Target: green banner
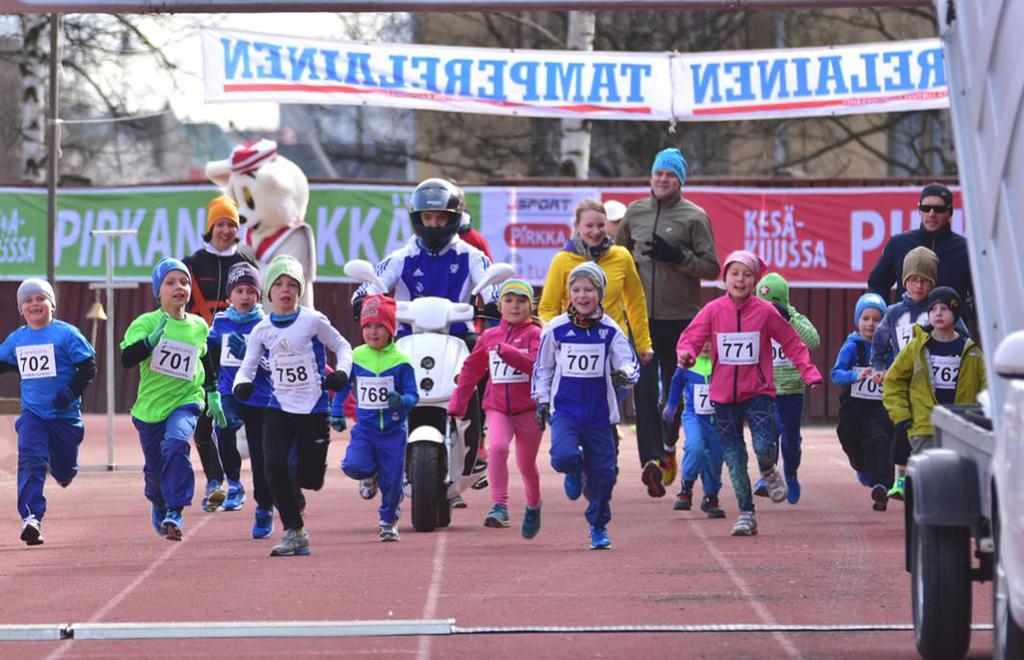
[365, 222]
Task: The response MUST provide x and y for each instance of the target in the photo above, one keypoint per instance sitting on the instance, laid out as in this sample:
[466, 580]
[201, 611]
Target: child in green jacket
[789, 385]
[938, 365]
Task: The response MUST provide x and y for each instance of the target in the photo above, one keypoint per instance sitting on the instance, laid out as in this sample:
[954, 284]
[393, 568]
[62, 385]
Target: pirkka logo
[537, 235]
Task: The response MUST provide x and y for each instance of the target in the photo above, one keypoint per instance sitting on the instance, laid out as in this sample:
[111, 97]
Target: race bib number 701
[175, 359]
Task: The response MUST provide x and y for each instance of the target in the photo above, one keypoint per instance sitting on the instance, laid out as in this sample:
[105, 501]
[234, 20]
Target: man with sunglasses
[936, 208]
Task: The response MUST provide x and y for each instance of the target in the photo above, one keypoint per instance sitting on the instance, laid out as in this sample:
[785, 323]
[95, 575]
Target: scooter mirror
[495, 273]
[363, 271]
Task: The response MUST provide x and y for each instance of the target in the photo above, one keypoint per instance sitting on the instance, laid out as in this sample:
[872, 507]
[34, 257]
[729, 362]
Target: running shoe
[792, 489]
[389, 532]
[709, 505]
[761, 488]
[531, 522]
[173, 525]
[684, 500]
[746, 524]
[32, 531]
[368, 488]
[263, 525]
[295, 542]
[880, 496]
[896, 492]
[156, 517]
[214, 496]
[498, 517]
[457, 502]
[776, 485]
[573, 486]
[599, 538]
[652, 478]
[864, 479]
[235, 497]
[668, 474]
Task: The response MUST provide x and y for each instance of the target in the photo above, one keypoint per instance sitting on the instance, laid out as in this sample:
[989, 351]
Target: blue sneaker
[599, 538]
[236, 496]
[761, 488]
[792, 489]
[864, 479]
[573, 486]
[498, 517]
[263, 527]
[173, 525]
[214, 496]
[531, 522]
[157, 519]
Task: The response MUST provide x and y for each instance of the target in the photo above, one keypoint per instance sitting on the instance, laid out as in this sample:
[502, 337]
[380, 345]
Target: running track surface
[828, 560]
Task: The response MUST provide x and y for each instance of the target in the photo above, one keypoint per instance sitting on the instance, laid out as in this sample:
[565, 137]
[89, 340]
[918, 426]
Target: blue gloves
[543, 413]
[394, 400]
[337, 423]
[236, 345]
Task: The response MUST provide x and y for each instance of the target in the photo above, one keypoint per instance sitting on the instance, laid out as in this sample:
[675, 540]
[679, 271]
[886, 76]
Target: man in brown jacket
[674, 248]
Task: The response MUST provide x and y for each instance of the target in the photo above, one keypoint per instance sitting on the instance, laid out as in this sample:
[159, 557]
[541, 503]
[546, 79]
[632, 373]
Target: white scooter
[439, 465]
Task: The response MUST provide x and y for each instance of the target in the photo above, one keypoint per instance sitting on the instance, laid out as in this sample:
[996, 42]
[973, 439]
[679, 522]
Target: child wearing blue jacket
[55, 363]
[385, 391]
[583, 355]
[227, 339]
[864, 430]
[702, 449]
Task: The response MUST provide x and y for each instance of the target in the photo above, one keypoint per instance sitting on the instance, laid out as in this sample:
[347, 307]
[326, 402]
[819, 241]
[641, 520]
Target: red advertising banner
[814, 237]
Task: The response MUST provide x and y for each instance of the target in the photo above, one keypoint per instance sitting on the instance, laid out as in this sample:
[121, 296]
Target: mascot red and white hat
[251, 156]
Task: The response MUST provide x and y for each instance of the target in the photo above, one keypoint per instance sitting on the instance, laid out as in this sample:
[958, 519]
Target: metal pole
[52, 151]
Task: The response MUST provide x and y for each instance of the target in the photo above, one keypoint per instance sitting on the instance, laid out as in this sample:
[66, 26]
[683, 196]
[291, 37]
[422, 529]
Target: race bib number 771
[738, 347]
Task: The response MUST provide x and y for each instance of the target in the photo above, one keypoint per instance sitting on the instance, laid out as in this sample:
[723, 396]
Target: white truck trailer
[965, 499]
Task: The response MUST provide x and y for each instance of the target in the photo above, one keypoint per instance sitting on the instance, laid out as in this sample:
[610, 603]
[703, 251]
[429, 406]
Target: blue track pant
[382, 453]
[44, 444]
[596, 461]
[702, 453]
[170, 483]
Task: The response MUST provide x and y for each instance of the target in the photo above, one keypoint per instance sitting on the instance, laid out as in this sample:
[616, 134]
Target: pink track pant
[500, 429]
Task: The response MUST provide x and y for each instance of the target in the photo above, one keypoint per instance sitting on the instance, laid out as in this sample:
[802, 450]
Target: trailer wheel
[1008, 639]
[941, 590]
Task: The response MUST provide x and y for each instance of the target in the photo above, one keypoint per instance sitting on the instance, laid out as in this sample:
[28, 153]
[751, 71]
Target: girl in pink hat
[740, 327]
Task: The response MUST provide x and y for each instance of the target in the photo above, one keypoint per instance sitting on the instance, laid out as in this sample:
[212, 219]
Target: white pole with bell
[110, 285]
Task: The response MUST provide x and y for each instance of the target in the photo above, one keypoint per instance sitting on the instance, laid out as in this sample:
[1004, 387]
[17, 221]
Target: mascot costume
[272, 195]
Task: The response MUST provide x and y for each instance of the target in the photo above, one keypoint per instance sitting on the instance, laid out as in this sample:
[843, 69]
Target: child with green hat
[507, 352]
[296, 339]
[789, 385]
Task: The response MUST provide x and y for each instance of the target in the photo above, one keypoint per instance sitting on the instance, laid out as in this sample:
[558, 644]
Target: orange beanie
[221, 208]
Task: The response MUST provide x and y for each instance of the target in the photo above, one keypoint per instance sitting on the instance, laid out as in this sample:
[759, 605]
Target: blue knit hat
[162, 268]
[868, 301]
[672, 160]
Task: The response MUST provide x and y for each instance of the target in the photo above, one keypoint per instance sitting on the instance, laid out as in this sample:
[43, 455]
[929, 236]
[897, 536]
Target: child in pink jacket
[741, 326]
[507, 352]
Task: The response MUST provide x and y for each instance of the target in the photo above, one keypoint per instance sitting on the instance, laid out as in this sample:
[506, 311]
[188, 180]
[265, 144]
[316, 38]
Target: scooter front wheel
[426, 480]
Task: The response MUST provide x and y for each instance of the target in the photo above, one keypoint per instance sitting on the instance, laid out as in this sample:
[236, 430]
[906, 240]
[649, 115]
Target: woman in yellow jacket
[623, 299]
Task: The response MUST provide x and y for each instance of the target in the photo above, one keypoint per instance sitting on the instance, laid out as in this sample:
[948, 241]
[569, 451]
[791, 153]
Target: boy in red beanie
[385, 392]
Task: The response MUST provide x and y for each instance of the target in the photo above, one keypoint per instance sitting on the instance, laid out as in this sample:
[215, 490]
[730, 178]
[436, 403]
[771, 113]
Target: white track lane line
[124, 593]
[758, 607]
[433, 592]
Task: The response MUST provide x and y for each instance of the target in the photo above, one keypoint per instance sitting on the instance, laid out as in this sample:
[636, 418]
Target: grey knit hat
[592, 272]
[32, 286]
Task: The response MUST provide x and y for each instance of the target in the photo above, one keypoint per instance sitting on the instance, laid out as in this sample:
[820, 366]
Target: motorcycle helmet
[435, 195]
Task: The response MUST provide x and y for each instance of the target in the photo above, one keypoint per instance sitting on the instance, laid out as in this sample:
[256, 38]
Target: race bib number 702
[37, 361]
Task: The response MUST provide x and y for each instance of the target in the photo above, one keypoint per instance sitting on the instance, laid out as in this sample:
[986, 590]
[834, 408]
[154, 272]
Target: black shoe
[684, 500]
[880, 495]
[709, 505]
[652, 477]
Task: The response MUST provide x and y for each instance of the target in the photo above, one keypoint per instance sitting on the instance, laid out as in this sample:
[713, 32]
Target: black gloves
[243, 391]
[336, 381]
[782, 310]
[900, 431]
[661, 250]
